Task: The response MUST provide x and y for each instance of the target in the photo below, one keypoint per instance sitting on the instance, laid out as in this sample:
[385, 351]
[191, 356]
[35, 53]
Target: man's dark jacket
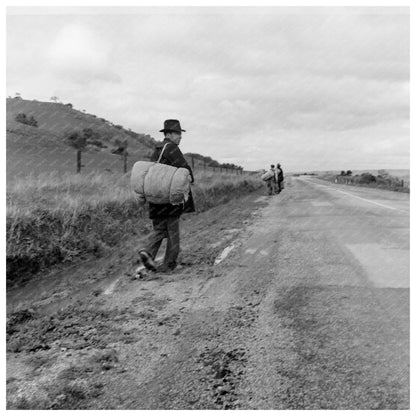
[172, 156]
[279, 174]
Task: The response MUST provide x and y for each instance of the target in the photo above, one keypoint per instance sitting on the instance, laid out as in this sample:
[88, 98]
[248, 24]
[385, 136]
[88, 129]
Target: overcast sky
[311, 88]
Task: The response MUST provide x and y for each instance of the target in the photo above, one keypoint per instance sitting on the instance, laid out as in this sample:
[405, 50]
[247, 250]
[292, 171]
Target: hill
[36, 149]
[43, 146]
[58, 120]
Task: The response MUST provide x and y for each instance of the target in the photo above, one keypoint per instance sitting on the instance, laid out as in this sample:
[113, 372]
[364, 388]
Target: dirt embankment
[95, 336]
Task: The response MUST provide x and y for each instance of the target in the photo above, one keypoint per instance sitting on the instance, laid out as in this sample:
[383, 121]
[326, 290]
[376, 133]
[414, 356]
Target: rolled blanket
[160, 183]
[268, 175]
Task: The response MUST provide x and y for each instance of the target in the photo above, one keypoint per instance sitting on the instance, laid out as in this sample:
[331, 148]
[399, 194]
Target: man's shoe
[163, 268]
[147, 260]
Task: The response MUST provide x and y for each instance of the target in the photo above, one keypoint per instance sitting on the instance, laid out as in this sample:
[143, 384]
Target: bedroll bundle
[268, 175]
[159, 183]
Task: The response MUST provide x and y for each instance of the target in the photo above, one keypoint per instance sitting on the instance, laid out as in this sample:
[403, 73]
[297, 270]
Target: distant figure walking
[270, 178]
[279, 178]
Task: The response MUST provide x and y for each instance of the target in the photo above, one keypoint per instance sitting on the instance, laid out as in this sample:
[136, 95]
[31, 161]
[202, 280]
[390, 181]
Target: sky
[310, 88]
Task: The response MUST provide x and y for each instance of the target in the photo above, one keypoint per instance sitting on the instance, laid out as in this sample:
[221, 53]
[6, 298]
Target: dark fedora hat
[172, 125]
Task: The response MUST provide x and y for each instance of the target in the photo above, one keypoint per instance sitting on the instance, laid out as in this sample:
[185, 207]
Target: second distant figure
[279, 178]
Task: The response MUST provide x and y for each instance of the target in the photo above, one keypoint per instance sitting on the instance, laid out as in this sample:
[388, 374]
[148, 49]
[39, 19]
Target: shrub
[77, 140]
[30, 121]
[367, 178]
[80, 139]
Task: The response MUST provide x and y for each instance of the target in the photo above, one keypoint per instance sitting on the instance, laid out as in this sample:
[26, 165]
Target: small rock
[177, 332]
[192, 400]
[224, 389]
[106, 366]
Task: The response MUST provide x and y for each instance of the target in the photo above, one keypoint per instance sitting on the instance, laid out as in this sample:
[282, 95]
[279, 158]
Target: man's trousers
[164, 227]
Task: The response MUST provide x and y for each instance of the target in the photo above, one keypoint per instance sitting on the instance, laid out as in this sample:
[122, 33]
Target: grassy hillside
[57, 120]
[35, 150]
[44, 149]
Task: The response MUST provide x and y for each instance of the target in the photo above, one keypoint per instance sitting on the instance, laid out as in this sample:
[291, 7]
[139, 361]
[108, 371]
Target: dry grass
[53, 219]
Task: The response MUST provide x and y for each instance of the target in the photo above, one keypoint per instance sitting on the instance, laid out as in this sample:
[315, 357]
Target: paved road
[333, 326]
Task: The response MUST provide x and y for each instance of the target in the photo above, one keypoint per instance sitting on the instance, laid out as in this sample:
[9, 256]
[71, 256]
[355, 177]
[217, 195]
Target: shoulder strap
[161, 153]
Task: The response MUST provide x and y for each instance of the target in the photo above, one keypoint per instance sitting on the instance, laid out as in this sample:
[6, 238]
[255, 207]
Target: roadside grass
[55, 218]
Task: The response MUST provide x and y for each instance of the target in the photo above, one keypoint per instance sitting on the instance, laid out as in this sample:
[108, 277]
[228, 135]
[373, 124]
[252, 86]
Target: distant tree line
[208, 161]
[382, 180]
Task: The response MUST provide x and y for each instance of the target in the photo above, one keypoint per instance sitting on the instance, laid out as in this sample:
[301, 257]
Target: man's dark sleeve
[177, 159]
[155, 155]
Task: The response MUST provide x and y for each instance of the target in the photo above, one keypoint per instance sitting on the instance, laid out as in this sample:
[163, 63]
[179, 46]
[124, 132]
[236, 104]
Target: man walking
[165, 217]
[280, 178]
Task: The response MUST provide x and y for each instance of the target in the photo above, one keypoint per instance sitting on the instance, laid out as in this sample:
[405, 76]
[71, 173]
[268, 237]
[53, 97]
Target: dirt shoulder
[77, 337]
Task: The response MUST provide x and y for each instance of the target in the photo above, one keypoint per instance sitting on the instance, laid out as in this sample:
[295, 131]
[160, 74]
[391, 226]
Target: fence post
[125, 159]
[78, 161]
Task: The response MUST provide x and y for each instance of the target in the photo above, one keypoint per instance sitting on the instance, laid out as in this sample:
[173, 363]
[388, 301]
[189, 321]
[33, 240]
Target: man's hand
[141, 200]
